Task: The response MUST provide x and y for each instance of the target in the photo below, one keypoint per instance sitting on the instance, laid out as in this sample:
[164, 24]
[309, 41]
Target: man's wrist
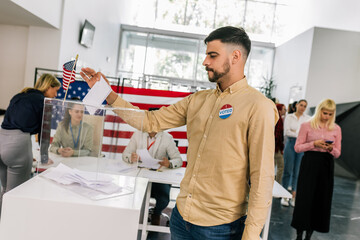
[111, 98]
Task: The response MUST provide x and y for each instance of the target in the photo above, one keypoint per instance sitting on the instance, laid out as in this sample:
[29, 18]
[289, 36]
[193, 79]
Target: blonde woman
[320, 139]
[23, 117]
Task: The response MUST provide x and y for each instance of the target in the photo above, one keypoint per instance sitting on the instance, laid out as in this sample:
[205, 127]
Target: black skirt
[314, 192]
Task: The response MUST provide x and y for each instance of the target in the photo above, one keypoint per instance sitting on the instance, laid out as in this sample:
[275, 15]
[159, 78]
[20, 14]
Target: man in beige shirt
[230, 129]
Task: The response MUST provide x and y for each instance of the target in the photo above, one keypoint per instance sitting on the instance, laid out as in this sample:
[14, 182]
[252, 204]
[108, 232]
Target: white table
[42, 209]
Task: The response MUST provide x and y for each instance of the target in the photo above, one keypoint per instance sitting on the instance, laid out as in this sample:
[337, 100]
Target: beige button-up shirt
[230, 171]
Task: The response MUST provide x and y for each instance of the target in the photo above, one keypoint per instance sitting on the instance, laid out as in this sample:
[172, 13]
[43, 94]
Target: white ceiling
[12, 14]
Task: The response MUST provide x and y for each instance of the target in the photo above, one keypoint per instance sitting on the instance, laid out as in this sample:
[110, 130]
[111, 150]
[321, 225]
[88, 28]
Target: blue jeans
[292, 161]
[182, 230]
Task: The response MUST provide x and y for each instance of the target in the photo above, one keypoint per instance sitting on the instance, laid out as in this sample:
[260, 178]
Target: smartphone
[329, 142]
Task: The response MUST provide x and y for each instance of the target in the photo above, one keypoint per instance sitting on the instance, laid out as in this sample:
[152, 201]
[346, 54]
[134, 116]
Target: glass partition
[81, 147]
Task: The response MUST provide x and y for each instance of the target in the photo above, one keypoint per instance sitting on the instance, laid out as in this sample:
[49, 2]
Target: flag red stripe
[128, 134]
[120, 149]
[117, 134]
[183, 150]
[149, 92]
[113, 148]
[145, 106]
[113, 119]
[178, 135]
[142, 106]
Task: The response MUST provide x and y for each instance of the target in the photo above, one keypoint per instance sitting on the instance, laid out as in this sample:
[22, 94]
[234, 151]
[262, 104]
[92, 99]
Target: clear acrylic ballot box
[81, 147]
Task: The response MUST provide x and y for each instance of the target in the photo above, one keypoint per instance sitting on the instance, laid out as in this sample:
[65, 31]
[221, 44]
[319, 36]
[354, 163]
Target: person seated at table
[161, 146]
[73, 137]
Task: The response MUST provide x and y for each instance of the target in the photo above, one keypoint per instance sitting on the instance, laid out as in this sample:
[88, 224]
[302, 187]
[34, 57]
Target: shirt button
[189, 195]
[211, 116]
[204, 136]
[199, 155]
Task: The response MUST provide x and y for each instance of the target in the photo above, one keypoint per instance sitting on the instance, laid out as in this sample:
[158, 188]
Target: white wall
[49, 11]
[24, 48]
[336, 14]
[334, 67]
[106, 16]
[291, 65]
[13, 48]
[43, 51]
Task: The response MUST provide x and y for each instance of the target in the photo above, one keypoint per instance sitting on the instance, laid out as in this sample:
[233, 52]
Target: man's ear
[236, 56]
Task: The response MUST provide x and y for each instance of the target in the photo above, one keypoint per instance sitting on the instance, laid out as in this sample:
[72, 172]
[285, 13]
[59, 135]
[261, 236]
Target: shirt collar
[239, 85]
[154, 136]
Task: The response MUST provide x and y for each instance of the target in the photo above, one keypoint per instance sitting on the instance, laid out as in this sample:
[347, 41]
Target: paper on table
[97, 181]
[147, 160]
[97, 95]
[173, 176]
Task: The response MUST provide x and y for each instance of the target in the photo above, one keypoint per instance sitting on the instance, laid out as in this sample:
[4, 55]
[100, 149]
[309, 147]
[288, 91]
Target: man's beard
[217, 75]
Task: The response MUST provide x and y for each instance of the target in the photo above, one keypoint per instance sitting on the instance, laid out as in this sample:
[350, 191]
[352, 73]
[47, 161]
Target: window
[262, 19]
[171, 60]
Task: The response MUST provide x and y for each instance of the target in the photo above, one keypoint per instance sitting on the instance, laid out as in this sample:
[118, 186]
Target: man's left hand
[165, 162]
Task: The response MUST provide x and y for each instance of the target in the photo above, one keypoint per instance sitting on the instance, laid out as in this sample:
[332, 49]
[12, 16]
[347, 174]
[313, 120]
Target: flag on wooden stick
[69, 70]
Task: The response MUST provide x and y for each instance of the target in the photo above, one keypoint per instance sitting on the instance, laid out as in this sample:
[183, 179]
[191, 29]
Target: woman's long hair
[329, 105]
[44, 83]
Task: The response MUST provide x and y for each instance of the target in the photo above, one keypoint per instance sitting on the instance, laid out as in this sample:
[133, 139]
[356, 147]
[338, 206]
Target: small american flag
[68, 73]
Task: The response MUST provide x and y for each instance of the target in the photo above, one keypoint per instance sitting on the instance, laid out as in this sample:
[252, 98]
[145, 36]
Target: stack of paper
[96, 181]
[147, 161]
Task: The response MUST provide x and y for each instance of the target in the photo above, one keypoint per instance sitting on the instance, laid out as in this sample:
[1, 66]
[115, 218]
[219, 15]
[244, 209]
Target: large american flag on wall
[140, 97]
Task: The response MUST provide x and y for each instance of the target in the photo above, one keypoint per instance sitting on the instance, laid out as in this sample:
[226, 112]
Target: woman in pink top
[320, 139]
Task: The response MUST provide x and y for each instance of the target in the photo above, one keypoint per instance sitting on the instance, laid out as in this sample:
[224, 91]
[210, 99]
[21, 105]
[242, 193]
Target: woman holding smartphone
[320, 139]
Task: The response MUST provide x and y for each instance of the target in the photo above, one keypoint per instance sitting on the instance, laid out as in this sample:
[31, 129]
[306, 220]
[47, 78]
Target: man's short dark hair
[232, 35]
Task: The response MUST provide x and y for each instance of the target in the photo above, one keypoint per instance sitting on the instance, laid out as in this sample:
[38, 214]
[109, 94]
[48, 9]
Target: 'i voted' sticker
[225, 111]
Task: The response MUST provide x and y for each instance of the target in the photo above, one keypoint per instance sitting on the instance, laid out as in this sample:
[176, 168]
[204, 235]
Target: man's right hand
[91, 77]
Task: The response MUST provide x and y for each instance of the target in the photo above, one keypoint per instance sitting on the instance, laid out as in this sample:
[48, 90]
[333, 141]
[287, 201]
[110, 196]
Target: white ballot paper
[97, 95]
[96, 181]
[147, 160]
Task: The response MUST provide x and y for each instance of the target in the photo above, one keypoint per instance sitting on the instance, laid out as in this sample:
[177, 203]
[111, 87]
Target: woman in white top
[292, 159]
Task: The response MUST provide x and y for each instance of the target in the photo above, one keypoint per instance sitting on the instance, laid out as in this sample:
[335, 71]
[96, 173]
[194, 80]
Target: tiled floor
[345, 217]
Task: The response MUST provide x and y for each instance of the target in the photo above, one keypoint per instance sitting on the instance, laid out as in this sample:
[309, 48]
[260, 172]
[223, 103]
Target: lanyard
[149, 146]
[77, 141]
